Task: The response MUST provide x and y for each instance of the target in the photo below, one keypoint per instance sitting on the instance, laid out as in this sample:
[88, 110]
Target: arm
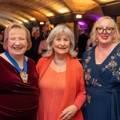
[81, 95]
[71, 110]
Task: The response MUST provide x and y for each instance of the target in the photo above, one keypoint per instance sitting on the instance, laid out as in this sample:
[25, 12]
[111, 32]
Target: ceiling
[26, 11]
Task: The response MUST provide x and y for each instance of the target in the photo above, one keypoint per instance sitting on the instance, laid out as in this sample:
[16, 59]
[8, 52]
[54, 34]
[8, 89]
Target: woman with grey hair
[61, 81]
[102, 72]
[18, 76]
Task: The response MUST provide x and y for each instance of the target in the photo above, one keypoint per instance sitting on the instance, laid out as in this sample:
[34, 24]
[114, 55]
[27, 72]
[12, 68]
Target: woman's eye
[13, 38]
[21, 38]
[66, 40]
[109, 28]
[58, 39]
[100, 28]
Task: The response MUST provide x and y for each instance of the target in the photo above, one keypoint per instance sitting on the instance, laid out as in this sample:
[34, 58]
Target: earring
[114, 40]
[96, 40]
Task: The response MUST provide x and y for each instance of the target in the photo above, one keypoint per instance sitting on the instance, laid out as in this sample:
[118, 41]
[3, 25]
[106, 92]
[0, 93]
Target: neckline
[59, 64]
[23, 72]
[8, 61]
[107, 56]
[57, 71]
[13, 61]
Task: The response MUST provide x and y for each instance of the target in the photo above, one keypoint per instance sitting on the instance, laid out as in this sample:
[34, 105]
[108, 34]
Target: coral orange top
[73, 90]
[52, 87]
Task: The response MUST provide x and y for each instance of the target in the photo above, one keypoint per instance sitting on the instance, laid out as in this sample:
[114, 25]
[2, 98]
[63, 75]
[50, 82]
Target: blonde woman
[18, 77]
[102, 72]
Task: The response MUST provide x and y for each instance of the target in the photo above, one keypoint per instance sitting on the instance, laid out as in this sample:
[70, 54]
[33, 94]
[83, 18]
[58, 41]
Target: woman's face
[105, 32]
[61, 44]
[17, 42]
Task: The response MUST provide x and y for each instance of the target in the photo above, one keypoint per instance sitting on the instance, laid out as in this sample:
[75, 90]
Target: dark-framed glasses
[107, 30]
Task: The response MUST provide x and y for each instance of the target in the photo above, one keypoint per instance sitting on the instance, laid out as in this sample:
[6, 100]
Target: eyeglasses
[15, 39]
[107, 30]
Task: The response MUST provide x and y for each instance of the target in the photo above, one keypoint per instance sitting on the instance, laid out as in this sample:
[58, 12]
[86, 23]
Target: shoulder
[30, 60]
[3, 60]
[2, 55]
[118, 46]
[76, 63]
[75, 60]
[76, 66]
[42, 63]
[89, 53]
[90, 50]
[42, 60]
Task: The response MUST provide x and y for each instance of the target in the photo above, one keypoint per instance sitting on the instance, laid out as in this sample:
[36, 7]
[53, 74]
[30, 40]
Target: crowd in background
[38, 42]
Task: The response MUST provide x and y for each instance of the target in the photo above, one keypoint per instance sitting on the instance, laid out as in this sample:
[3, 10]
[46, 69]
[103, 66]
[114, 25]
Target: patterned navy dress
[102, 86]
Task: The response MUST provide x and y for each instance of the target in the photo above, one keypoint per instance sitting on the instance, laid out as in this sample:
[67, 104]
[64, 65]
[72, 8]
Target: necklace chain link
[59, 64]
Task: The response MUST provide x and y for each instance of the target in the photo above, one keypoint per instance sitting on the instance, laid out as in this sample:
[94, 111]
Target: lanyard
[15, 63]
[23, 73]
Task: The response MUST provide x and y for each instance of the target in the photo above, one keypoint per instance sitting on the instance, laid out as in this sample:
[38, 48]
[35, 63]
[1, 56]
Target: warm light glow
[41, 23]
[64, 10]
[21, 22]
[49, 14]
[78, 16]
[32, 19]
[26, 21]
[106, 0]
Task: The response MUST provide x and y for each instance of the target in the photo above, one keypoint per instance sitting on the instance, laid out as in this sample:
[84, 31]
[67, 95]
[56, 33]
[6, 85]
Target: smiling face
[61, 44]
[17, 42]
[105, 32]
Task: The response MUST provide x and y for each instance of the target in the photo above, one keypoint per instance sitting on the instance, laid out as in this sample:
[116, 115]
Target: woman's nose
[62, 42]
[17, 41]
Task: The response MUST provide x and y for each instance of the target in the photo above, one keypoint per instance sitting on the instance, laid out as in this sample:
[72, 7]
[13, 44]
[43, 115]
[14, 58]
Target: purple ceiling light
[81, 23]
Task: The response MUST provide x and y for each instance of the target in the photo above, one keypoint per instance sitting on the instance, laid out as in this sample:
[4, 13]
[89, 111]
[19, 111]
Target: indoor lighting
[105, 1]
[81, 23]
[49, 14]
[32, 19]
[41, 23]
[64, 10]
[78, 16]
[26, 21]
[21, 22]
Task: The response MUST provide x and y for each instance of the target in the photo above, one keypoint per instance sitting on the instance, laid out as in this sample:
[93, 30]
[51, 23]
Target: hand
[68, 112]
